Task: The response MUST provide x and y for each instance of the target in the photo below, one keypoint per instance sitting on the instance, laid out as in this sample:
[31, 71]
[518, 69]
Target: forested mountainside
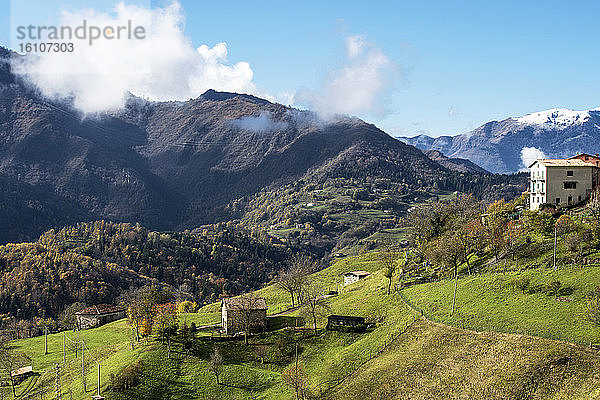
[96, 262]
[177, 165]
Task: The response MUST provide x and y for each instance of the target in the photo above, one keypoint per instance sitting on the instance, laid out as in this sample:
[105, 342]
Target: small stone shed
[239, 312]
[98, 315]
[354, 276]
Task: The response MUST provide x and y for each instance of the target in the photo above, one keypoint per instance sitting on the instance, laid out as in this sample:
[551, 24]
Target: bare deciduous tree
[297, 380]
[389, 258]
[314, 303]
[246, 307]
[216, 364]
[261, 351]
[293, 278]
[593, 206]
[10, 360]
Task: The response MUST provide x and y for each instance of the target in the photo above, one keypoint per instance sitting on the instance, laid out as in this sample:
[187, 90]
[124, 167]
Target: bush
[536, 289]
[285, 343]
[553, 288]
[522, 284]
[128, 378]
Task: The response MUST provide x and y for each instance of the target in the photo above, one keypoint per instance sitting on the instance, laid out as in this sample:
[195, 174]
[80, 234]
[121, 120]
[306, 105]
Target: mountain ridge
[506, 146]
[177, 165]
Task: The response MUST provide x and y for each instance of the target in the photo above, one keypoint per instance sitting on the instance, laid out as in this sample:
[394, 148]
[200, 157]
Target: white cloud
[359, 87]
[163, 66]
[261, 124]
[529, 155]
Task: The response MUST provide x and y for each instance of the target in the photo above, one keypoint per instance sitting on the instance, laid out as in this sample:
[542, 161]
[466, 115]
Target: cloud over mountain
[359, 87]
[162, 66]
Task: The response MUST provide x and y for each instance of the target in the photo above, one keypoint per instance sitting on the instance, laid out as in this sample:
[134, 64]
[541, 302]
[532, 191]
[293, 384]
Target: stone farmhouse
[239, 312]
[100, 314]
[563, 182]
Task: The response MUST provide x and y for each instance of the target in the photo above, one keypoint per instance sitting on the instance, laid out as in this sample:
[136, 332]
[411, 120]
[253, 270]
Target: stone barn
[95, 316]
[237, 313]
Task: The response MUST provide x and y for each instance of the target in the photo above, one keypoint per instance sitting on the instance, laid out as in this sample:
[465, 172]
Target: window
[570, 185]
[569, 173]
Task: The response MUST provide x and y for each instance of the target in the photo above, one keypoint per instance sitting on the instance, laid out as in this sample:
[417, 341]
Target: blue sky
[461, 63]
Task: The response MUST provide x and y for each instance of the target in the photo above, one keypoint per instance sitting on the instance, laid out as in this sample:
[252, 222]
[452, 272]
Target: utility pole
[555, 243]
[45, 340]
[58, 394]
[98, 380]
[83, 365]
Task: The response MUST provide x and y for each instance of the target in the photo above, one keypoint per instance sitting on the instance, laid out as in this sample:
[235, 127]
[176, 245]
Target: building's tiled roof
[564, 163]
[22, 371]
[99, 310]
[586, 155]
[358, 273]
[243, 303]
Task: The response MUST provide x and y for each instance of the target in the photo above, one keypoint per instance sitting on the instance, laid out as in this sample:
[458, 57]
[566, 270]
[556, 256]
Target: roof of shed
[239, 303]
[358, 273]
[100, 309]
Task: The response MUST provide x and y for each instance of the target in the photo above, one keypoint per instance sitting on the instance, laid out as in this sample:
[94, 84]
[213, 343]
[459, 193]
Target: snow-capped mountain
[557, 118]
[509, 145]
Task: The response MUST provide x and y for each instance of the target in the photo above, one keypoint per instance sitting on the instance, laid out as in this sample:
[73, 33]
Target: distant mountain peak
[556, 118]
[504, 146]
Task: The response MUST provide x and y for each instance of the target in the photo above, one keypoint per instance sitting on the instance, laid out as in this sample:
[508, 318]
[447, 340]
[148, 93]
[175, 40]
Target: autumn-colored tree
[165, 319]
[448, 252]
[495, 220]
[187, 306]
[140, 304]
[513, 238]
[145, 328]
[165, 323]
[563, 225]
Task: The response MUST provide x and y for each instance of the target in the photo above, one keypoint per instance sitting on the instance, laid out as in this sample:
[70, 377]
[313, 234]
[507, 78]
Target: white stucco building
[561, 182]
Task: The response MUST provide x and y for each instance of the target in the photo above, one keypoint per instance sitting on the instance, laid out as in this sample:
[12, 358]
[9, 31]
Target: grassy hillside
[402, 358]
[433, 361]
[108, 345]
[494, 302]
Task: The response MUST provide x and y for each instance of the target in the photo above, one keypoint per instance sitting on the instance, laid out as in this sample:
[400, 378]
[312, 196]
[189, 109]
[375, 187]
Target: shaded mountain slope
[177, 165]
